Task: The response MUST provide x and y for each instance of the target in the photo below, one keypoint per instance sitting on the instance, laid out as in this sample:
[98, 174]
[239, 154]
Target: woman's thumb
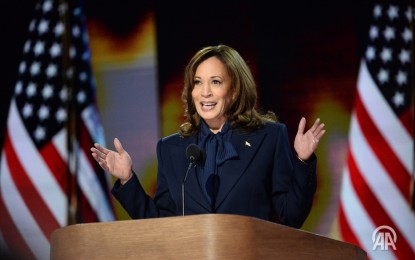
[118, 145]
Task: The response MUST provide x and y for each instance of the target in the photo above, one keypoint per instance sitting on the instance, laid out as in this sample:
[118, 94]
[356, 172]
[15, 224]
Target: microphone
[195, 156]
[192, 153]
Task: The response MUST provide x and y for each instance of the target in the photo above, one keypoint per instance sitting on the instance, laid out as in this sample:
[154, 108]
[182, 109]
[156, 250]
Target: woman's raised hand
[306, 143]
[118, 163]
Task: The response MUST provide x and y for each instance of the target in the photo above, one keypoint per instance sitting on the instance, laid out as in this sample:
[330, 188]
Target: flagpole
[72, 127]
[65, 61]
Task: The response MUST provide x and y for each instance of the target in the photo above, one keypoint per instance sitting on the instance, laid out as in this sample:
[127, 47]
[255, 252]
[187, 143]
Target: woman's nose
[206, 90]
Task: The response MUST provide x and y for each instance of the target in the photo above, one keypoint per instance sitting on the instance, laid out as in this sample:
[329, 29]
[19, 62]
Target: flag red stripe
[57, 166]
[345, 230]
[407, 120]
[374, 209]
[16, 244]
[386, 156]
[87, 212]
[29, 193]
[86, 142]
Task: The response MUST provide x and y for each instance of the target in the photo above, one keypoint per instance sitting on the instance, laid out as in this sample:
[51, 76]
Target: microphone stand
[191, 164]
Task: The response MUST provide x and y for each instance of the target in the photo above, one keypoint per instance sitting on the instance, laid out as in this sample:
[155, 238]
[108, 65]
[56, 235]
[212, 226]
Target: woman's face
[211, 93]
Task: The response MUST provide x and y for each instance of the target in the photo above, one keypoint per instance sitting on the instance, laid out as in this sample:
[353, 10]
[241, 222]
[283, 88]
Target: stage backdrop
[305, 56]
[124, 53]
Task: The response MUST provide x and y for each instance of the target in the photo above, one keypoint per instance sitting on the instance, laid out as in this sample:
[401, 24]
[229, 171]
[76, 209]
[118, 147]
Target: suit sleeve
[134, 199]
[294, 183]
[140, 205]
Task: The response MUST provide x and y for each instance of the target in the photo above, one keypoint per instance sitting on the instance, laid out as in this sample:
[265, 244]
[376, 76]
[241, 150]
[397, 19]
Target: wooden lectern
[211, 236]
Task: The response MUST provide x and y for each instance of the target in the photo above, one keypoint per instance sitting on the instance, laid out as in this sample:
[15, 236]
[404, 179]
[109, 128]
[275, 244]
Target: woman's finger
[320, 134]
[98, 153]
[301, 126]
[315, 125]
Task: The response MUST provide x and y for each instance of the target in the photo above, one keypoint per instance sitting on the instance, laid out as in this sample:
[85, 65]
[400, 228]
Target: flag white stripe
[92, 121]
[35, 167]
[92, 189]
[381, 184]
[98, 200]
[60, 143]
[388, 124]
[358, 219]
[21, 215]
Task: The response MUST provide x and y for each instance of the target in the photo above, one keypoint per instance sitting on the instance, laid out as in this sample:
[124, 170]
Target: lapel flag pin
[247, 144]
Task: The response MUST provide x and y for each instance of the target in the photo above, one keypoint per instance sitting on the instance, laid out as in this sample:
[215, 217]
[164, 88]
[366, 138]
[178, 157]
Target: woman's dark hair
[241, 112]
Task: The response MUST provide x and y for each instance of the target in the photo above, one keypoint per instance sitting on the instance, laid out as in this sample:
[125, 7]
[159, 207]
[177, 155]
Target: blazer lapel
[194, 191]
[192, 187]
[246, 146]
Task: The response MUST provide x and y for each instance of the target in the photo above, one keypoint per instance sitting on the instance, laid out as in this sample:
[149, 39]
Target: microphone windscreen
[192, 152]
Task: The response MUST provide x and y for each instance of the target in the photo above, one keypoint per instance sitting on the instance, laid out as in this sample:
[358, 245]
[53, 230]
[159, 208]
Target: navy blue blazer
[266, 181]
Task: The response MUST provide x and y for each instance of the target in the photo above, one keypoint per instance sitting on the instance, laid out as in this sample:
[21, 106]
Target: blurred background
[305, 57]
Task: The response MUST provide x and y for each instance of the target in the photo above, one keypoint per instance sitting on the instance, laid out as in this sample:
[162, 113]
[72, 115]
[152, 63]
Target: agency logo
[384, 237]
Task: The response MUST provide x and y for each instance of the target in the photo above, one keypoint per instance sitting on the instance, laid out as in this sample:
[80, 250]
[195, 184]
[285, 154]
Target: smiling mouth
[208, 105]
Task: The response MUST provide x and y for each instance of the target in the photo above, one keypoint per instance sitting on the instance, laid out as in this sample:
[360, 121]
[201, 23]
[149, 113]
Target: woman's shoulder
[273, 126]
[173, 138]
[274, 130]
[268, 129]
[177, 139]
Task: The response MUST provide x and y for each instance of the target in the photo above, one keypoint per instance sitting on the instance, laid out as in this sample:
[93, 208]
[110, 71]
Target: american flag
[375, 208]
[47, 177]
